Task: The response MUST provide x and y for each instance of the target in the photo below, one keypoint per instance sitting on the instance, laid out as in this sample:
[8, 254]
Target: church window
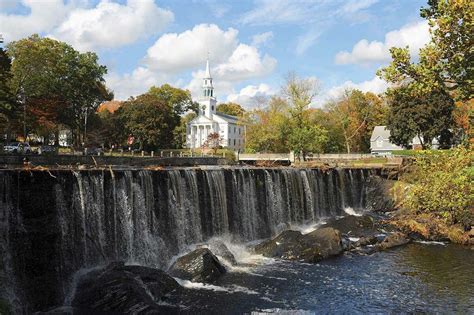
[234, 141]
[229, 142]
[212, 107]
[234, 130]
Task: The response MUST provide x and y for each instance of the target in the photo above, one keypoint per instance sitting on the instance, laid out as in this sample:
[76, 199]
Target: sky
[252, 44]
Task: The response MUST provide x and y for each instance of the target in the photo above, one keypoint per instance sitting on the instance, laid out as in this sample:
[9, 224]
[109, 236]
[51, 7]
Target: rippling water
[426, 278]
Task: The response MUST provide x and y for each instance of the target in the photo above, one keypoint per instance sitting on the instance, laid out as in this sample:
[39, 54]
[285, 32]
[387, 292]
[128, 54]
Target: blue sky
[252, 44]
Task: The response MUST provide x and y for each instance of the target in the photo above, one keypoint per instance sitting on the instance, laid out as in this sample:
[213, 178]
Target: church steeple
[208, 102]
[207, 88]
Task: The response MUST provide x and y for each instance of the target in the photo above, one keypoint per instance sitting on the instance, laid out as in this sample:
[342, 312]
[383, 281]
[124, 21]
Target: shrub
[441, 184]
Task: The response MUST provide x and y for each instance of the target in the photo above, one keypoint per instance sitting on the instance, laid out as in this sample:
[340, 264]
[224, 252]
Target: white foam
[205, 286]
[351, 211]
[432, 243]
[354, 239]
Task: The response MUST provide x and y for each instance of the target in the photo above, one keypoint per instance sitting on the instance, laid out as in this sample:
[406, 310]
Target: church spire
[207, 88]
[208, 71]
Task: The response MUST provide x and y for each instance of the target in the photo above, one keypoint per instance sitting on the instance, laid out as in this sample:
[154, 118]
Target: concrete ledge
[110, 160]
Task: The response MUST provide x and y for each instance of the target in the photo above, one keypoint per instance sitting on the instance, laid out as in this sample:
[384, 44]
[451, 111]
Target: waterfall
[53, 226]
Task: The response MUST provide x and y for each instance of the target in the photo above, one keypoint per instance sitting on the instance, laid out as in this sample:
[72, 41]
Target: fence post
[143, 153]
[161, 153]
[171, 153]
[152, 153]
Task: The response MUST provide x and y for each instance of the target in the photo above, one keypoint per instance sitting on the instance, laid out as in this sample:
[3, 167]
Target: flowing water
[417, 278]
[54, 224]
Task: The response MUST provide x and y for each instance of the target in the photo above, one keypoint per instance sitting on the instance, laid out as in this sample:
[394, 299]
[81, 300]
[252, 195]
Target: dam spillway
[54, 223]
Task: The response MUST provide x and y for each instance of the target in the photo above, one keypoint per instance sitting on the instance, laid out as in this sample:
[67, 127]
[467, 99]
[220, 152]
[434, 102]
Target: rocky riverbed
[120, 288]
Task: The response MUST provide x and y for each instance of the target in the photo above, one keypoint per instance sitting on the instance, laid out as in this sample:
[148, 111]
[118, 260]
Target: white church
[209, 121]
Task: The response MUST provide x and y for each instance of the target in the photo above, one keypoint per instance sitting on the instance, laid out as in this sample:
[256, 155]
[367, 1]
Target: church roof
[228, 118]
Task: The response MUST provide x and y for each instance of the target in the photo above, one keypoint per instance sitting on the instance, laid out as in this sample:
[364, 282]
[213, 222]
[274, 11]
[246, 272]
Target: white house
[380, 142]
[209, 121]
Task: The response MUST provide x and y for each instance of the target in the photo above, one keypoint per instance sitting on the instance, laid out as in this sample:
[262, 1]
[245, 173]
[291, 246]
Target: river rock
[312, 247]
[358, 226]
[201, 265]
[286, 245]
[393, 240]
[220, 249]
[124, 289]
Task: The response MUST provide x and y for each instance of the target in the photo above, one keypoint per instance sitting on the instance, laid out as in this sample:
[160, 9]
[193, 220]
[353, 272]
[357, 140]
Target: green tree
[230, 108]
[148, 119]
[178, 101]
[7, 100]
[56, 84]
[424, 116]
[309, 138]
[179, 133]
[444, 63]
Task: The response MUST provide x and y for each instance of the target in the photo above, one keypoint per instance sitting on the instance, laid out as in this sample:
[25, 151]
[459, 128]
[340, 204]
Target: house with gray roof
[380, 141]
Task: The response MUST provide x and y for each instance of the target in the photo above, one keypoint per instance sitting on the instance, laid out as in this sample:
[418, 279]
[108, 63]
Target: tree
[55, 84]
[213, 142]
[230, 108]
[179, 133]
[444, 63]
[309, 138]
[356, 114]
[266, 127]
[148, 119]
[7, 100]
[178, 102]
[424, 116]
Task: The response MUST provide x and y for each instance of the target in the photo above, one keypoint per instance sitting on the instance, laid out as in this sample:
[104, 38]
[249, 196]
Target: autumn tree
[356, 114]
[266, 127]
[213, 142]
[230, 108]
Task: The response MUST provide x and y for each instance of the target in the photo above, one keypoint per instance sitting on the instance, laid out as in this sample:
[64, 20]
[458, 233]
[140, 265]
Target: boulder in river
[311, 247]
[354, 225]
[393, 240]
[220, 249]
[124, 289]
[200, 265]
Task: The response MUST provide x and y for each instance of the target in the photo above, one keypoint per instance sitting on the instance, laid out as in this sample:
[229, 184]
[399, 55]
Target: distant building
[380, 142]
[209, 121]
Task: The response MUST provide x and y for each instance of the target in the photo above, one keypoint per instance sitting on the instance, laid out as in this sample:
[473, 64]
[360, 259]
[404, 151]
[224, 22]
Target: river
[417, 278]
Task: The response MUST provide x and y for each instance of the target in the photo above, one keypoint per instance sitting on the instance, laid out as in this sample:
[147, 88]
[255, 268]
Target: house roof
[380, 132]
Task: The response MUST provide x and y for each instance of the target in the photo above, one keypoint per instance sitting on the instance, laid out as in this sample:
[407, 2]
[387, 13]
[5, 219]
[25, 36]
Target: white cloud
[135, 83]
[107, 25]
[364, 52]
[375, 85]
[8, 4]
[110, 25]
[251, 95]
[244, 63]
[261, 39]
[43, 17]
[175, 52]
